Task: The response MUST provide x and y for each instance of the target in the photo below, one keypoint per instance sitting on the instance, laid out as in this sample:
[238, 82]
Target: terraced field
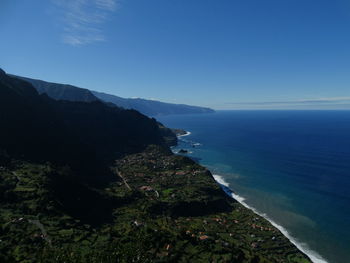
[160, 208]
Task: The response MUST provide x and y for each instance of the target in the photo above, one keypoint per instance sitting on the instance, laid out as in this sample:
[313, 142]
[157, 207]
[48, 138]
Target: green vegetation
[86, 182]
[159, 208]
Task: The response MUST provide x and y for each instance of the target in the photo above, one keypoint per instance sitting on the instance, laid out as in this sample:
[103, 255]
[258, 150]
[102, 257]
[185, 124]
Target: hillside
[159, 208]
[80, 134]
[61, 91]
[151, 107]
[147, 107]
[86, 182]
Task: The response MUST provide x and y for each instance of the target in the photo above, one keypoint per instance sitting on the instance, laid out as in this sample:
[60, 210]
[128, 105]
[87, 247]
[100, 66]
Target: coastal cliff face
[85, 182]
[67, 92]
[79, 134]
[61, 91]
[151, 107]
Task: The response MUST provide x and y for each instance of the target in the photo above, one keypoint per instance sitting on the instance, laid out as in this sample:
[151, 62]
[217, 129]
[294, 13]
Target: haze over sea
[293, 166]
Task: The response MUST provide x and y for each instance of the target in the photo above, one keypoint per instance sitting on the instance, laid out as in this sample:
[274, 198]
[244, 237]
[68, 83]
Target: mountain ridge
[37, 127]
[59, 91]
[86, 182]
[152, 108]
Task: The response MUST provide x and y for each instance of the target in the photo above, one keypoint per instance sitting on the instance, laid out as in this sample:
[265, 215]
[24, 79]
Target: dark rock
[2, 72]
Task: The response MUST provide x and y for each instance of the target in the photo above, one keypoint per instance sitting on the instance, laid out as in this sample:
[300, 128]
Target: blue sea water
[292, 166]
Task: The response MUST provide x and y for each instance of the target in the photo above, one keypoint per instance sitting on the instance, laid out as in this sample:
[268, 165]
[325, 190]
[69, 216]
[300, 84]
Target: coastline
[186, 134]
[314, 256]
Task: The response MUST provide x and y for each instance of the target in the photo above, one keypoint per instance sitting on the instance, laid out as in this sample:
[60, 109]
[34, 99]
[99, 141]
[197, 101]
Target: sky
[223, 54]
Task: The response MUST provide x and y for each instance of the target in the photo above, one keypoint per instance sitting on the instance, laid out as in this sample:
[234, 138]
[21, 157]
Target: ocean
[293, 167]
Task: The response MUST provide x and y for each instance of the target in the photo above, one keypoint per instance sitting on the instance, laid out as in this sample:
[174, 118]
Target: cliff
[59, 91]
[86, 182]
[152, 107]
[72, 93]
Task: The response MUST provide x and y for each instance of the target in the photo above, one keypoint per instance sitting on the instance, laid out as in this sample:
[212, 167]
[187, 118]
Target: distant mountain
[70, 191]
[36, 127]
[151, 107]
[147, 107]
[61, 91]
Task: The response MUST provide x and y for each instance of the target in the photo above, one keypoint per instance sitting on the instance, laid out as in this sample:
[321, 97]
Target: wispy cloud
[336, 102]
[106, 4]
[82, 20]
[326, 100]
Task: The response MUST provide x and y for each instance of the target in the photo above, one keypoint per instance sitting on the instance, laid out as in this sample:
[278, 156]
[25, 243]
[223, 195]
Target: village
[160, 208]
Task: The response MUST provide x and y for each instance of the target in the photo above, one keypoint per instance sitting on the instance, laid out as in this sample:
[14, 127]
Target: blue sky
[225, 54]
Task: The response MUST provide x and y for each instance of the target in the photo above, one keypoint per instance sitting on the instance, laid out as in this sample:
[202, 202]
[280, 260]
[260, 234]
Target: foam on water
[186, 134]
[316, 258]
[178, 151]
[293, 166]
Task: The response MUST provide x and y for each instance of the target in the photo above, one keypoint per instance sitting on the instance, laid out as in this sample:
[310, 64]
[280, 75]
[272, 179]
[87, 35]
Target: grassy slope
[160, 208]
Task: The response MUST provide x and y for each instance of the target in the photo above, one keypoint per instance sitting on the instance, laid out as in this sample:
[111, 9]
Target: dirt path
[42, 229]
[121, 176]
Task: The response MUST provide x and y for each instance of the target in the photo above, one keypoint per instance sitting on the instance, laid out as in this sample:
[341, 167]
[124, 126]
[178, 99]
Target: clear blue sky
[218, 53]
